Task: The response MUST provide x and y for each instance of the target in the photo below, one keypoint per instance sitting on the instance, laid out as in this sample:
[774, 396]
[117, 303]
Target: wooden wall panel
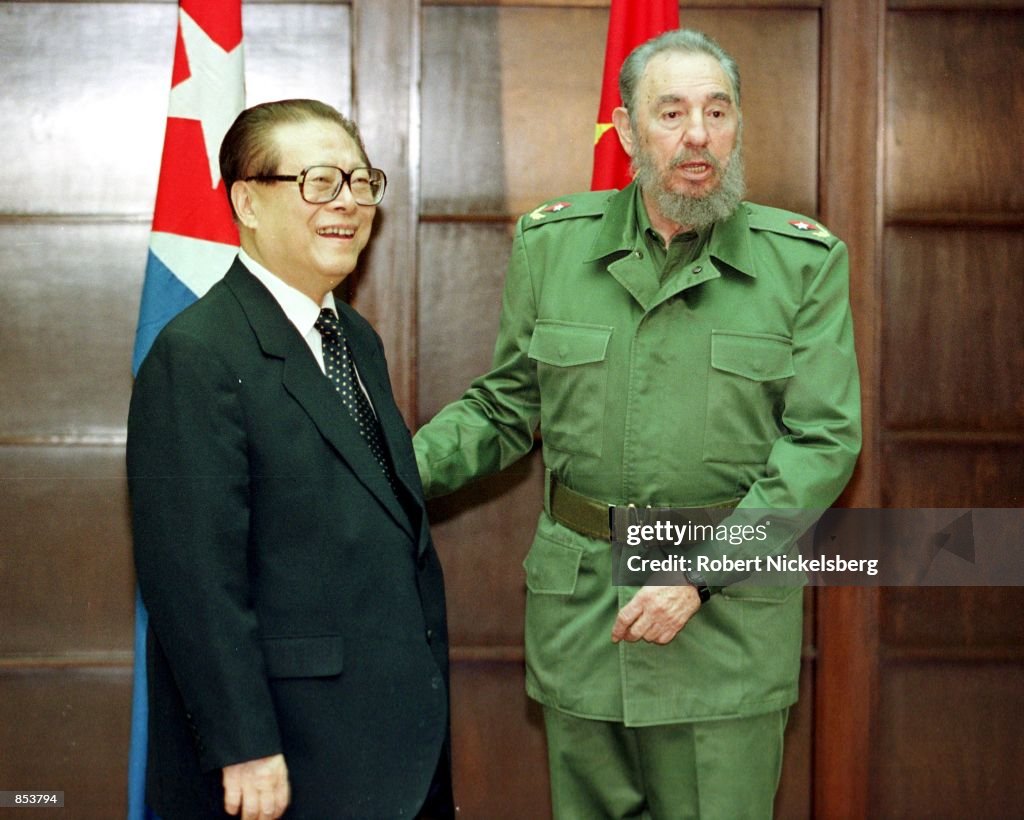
[70, 294]
[952, 407]
[846, 643]
[965, 473]
[386, 106]
[299, 50]
[462, 272]
[953, 336]
[954, 113]
[515, 126]
[948, 744]
[66, 730]
[65, 553]
[962, 619]
[499, 752]
[82, 130]
[483, 534]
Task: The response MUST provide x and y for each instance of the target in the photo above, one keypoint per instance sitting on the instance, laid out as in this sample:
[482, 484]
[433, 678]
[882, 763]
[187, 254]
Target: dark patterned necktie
[341, 370]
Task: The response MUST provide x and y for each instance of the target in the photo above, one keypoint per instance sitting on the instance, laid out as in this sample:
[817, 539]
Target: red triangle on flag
[186, 201]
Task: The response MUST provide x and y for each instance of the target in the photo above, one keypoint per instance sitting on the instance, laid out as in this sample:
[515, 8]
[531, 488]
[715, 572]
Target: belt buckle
[634, 516]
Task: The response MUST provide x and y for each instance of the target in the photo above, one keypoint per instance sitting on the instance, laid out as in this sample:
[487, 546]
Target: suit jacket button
[430, 635]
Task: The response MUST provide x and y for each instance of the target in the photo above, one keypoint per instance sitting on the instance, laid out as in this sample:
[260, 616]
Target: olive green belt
[578, 512]
[587, 515]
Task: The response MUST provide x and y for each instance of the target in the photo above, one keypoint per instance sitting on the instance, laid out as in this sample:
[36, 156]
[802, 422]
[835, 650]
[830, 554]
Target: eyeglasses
[323, 183]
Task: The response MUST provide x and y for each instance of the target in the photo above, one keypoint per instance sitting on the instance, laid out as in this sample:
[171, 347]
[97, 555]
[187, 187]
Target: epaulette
[787, 223]
[589, 203]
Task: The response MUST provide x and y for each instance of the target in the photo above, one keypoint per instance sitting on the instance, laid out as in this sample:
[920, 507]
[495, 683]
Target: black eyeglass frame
[346, 177]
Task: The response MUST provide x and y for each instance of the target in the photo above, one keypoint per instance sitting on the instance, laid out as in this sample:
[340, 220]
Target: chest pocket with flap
[572, 374]
[749, 373]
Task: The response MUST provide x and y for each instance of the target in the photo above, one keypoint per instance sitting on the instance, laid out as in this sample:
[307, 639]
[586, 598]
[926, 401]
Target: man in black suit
[297, 647]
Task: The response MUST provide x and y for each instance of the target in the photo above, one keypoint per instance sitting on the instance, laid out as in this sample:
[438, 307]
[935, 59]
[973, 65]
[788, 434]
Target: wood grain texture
[943, 620]
[949, 738]
[952, 132]
[846, 628]
[953, 337]
[952, 473]
[483, 533]
[65, 552]
[67, 730]
[69, 295]
[462, 273]
[386, 104]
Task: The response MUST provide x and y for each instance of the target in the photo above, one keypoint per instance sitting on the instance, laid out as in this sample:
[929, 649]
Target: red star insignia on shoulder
[553, 208]
[810, 227]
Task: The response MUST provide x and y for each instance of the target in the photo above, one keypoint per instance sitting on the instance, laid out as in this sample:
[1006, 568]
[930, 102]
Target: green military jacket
[732, 377]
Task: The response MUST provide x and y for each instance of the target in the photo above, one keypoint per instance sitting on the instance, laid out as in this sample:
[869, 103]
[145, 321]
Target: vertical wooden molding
[851, 194]
[386, 98]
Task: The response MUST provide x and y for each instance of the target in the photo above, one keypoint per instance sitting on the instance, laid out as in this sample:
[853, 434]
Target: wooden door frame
[850, 196]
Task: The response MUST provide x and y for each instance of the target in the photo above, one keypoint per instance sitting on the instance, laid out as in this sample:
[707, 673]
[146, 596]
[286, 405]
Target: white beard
[695, 212]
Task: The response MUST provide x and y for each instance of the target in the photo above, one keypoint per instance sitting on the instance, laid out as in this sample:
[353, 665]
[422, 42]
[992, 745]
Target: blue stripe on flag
[163, 296]
[137, 808]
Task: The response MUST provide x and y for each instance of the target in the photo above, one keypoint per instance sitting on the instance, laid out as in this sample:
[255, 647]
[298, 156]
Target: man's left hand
[656, 614]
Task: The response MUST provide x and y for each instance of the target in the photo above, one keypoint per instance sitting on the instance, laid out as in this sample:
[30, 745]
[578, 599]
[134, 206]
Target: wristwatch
[697, 581]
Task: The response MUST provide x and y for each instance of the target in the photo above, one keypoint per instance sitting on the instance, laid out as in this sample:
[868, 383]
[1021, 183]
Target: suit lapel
[310, 388]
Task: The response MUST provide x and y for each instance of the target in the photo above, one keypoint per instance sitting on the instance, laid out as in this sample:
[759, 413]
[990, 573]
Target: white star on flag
[213, 94]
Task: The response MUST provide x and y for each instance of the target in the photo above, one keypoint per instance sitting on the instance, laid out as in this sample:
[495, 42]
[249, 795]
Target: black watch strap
[698, 583]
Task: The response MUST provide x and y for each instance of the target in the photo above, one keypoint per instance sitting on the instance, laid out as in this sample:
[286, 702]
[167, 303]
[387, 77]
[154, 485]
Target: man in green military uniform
[678, 348]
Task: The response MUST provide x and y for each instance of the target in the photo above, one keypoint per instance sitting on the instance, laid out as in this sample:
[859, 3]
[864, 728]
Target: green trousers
[713, 770]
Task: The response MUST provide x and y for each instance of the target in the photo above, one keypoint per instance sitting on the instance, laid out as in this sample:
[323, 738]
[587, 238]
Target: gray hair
[682, 40]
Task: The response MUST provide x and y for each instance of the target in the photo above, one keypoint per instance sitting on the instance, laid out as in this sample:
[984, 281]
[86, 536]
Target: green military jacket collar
[619, 234]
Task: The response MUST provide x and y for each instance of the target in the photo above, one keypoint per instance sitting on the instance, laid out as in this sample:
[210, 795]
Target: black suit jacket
[296, 605]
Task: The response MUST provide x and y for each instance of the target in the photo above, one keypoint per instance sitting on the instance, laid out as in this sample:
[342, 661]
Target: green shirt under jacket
[731, 376]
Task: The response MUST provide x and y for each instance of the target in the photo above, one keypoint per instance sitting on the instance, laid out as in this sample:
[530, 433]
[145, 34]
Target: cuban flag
[193, 240]
[631, 23]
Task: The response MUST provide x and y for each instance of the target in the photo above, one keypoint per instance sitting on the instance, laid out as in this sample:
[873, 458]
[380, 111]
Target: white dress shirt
[300, 310]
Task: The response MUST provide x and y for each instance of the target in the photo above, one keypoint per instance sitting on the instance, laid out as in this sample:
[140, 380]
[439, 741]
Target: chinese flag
[632, 22]
[193, 240]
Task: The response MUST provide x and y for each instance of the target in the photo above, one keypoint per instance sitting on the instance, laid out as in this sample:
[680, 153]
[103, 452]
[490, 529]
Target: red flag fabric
[631, 23]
